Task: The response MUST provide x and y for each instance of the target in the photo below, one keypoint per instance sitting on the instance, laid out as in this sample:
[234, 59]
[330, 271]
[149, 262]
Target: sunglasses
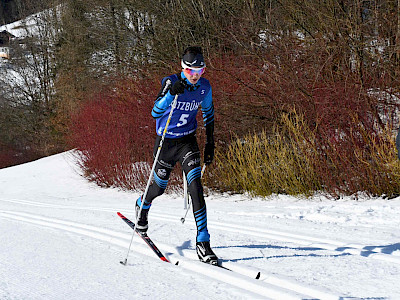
[194, 71]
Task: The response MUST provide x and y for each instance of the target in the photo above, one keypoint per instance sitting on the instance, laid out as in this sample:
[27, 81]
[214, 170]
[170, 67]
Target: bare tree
[28, 85]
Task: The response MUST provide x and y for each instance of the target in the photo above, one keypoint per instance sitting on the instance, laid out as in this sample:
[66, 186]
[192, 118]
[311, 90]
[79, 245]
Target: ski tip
[121, 215]
[258, 275]
[177, 263]
[164, 259]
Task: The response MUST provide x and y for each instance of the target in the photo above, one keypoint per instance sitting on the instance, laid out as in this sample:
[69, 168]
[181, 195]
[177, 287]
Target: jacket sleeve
[207, 108]
[164, 99]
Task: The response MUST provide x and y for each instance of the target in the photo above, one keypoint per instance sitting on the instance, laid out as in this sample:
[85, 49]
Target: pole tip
[123, 262]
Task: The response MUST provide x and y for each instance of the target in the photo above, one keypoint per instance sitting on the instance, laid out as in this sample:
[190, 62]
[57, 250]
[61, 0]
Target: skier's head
[193, 64]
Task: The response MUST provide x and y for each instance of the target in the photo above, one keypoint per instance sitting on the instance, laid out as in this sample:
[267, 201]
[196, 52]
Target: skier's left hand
[209, 153]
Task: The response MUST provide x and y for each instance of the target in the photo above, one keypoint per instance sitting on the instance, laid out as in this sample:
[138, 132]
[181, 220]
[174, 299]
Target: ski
[153, 247]
[258, 275]
[145, 238]
[219, 265]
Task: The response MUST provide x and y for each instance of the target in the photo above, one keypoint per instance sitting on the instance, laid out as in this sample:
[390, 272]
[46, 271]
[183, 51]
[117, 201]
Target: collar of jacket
[189, 86]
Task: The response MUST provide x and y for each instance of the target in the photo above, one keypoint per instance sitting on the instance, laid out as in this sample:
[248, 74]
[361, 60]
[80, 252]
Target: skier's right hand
[209, 153]
[177, 88]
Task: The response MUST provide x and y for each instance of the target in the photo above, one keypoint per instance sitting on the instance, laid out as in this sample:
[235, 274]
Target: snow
[25, 27]
[62, 239]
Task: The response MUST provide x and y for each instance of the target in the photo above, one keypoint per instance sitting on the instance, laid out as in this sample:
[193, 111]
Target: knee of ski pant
[194, 175]
[161, 183]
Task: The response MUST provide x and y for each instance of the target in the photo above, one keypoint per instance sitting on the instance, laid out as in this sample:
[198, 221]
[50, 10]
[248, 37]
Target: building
[5, 39]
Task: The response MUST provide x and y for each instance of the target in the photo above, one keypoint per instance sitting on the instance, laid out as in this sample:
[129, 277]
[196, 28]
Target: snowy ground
[62, 239]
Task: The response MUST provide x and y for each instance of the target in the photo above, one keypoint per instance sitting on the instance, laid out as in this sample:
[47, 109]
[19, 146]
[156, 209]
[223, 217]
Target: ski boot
[205, 253]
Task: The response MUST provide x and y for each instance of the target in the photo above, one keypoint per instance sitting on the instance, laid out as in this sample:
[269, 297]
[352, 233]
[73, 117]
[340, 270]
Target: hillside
[62, 239]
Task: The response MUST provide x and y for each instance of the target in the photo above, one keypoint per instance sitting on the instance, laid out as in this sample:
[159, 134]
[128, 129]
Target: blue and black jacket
[183, 121]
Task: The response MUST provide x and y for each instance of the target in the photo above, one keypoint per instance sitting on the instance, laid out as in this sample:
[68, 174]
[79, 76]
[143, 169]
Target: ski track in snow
[242, 277]
[304, 240]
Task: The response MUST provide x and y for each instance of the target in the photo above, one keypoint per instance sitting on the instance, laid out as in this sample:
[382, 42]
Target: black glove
[209, 153]
[177, 88]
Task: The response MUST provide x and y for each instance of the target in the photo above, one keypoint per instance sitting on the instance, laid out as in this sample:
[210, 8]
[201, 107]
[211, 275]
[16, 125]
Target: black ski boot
[142, 224]
[205, 253]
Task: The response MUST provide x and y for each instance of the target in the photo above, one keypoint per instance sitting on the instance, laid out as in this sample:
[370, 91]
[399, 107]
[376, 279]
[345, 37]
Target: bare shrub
[114, 133]
[360, 160]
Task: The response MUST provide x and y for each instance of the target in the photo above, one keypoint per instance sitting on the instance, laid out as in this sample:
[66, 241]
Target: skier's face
[193, 75]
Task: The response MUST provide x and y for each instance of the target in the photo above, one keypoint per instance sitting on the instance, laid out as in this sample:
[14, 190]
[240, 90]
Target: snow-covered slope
[62, 239]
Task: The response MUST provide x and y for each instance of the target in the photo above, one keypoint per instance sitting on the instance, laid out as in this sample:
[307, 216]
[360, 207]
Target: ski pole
[185, 192]
[190, 202]
[173, 105]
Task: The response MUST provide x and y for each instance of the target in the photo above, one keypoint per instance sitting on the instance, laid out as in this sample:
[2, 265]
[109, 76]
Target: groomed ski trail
[295, 238]
[268, 286]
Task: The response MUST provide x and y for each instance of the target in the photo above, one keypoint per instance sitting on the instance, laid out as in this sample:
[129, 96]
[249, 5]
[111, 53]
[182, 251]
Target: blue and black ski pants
[186, 151]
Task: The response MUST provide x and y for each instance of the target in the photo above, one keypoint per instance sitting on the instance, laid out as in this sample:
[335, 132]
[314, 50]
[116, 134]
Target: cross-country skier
[180, 144]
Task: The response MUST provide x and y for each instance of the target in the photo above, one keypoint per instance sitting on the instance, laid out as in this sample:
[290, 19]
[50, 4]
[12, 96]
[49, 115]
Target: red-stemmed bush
[113, 134]
[114, 131]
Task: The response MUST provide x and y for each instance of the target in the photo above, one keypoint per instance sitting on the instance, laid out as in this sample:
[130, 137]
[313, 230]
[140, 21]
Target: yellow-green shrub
[263, 164]
[294, 160]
